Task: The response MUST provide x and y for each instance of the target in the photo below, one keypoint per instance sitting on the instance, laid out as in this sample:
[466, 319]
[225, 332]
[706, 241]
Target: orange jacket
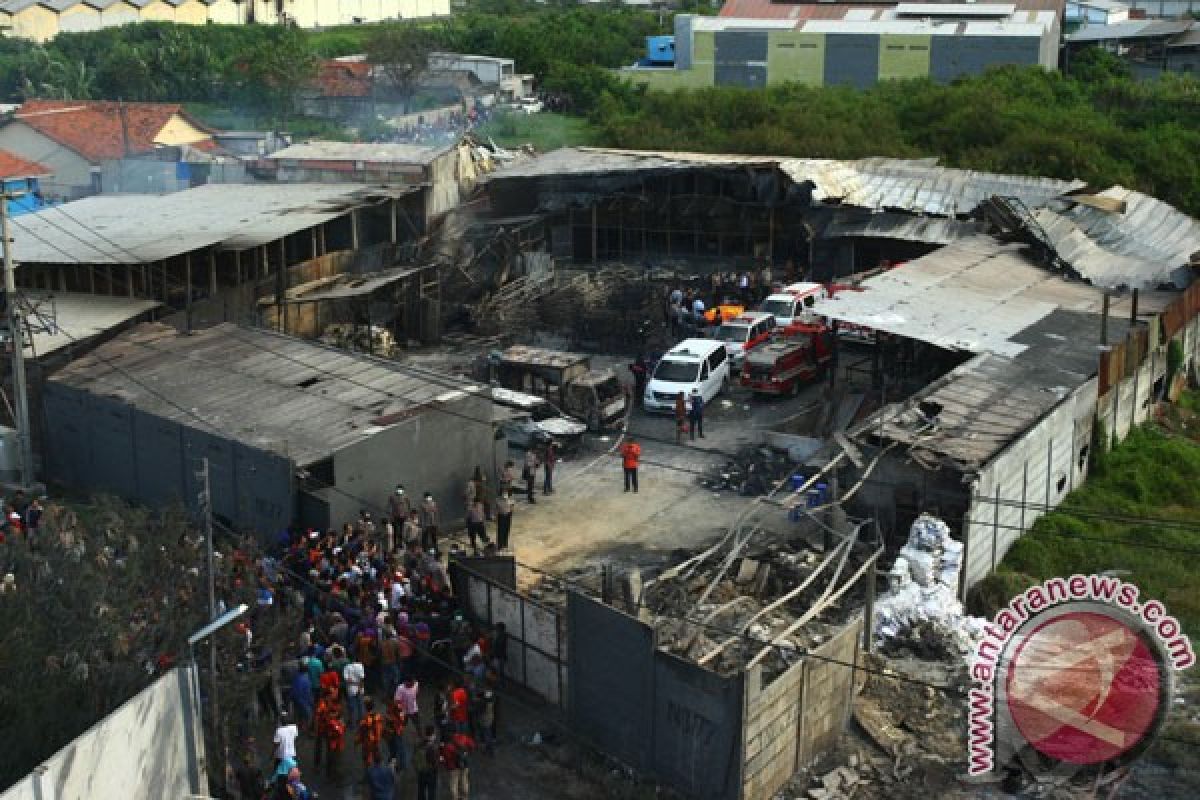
[630, 453]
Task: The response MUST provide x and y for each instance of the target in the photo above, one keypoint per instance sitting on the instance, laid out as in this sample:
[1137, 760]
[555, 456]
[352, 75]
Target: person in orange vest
[370, 733]
[331, 733]
[631, 451]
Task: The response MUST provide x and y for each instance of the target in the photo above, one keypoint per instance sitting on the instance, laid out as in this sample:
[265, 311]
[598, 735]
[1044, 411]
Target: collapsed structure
[1027, 311]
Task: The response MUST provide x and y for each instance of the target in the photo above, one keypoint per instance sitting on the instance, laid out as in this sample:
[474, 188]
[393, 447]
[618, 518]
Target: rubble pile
[693, 629]
[753, 471]
[921, 612]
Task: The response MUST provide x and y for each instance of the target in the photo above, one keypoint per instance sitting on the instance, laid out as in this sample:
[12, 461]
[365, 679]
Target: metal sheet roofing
[1134, 29]
[78, 317]
[385, 153]
[1149, 245]
[142, 228]
[344, 286]
[906, 227]
[914, 185]
[266, 390]
[976, 296]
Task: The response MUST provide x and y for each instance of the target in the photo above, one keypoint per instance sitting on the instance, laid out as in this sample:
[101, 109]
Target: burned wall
[656, 712]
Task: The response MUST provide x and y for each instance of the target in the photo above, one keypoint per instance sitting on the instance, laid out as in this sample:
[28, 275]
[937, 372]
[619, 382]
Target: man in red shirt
[631, 452]
[459, 700]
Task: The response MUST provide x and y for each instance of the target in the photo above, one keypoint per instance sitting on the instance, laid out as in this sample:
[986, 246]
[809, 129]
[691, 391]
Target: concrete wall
[654, 711]
[796, 57]
[101, 444]
[902, 57]
[149, 748]
[799, 715]
[70, 170]
[1037, 470]
[79, 19]
[1129, 398]
[436, 451]
[537, 650]
[612, 679]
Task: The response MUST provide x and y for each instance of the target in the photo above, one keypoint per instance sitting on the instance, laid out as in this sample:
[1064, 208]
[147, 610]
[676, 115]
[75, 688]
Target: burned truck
[594, 396]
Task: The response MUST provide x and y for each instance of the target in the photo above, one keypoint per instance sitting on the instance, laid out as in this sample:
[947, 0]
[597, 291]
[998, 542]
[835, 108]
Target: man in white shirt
[354, 675]
[285, 738]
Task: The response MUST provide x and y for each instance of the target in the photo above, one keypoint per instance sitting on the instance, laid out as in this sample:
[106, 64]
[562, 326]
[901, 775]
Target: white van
[792, 303]
[701, 364]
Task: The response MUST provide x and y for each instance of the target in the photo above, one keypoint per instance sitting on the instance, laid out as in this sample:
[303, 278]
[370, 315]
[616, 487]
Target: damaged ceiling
[1115, 238]
[1142, 243]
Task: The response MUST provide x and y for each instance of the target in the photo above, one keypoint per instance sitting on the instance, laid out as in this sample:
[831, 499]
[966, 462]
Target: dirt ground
[590, 515]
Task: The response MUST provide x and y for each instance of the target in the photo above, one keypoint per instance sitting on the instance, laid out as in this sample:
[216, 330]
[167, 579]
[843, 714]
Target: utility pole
[16, 330]
[206, 506]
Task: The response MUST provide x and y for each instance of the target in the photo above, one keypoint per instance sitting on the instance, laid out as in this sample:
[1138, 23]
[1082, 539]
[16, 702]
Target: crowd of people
[385, 680]
[684, 308]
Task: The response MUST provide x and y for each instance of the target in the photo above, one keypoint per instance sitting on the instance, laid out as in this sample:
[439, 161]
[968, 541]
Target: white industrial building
[42, 20]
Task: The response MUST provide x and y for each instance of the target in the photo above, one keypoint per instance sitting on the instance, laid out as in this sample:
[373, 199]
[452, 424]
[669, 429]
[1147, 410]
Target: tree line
[1097, 124]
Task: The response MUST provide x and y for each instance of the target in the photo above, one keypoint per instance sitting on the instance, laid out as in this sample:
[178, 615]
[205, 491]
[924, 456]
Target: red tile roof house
[20, 179]
[75, 139]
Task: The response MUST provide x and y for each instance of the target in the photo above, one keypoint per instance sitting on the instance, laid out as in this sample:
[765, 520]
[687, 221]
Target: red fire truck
[797, 353]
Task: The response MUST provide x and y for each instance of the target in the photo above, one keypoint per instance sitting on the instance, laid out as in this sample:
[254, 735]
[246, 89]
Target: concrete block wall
[796, 718]
[828, 693]
[772, 728]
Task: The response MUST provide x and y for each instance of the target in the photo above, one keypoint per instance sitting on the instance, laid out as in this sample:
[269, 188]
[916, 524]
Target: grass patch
[222, 117]
[545, 131]
[1153, 473]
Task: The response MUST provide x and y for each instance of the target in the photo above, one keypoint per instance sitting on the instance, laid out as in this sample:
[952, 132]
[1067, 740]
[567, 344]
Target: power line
[59, 208]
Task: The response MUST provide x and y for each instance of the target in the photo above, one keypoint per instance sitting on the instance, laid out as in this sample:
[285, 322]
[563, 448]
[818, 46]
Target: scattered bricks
[747, 571]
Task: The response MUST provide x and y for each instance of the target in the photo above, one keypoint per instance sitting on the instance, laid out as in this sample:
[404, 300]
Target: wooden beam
[817, 608]
[187, 265]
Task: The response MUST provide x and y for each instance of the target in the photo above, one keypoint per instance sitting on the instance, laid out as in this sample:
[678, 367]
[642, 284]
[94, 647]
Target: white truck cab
[793, 303]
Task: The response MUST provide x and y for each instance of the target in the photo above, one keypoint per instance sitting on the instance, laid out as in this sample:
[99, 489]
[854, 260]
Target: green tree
[400, 52]
[269, 75]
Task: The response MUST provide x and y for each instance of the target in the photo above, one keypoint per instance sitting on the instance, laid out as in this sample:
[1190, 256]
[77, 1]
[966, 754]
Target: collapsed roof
[1115, 238]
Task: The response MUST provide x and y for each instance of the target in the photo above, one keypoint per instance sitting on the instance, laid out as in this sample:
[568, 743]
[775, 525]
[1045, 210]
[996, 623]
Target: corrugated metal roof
[929, 27]
[79, 317]
[142, 228]
[976, 295]
[991, 400]
[366, 152]
[266, 390]
[918, 186]
[1134, 29]
[340, 287]
[906, 227]
[915, 185]
[1151, 244]
[772, 9]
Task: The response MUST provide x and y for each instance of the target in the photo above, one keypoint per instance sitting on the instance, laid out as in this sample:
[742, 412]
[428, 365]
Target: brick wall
[799, 715]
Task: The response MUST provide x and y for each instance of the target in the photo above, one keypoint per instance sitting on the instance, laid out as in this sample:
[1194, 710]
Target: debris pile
[728, 614]
[611, 310]
[372, 339]
[921, 612]
[753, 471]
